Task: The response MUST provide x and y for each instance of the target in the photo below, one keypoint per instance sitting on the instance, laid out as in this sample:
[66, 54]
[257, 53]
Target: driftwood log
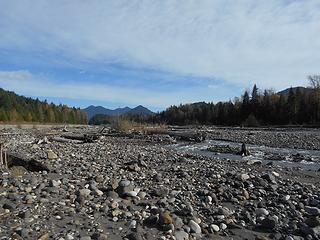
[3, 157]
[87, 138]
[188, 136]
[31, 165]
[64, 140]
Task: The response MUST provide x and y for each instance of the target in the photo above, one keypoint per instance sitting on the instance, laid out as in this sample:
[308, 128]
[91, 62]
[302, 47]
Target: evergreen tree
[292, 107]
[14, 108]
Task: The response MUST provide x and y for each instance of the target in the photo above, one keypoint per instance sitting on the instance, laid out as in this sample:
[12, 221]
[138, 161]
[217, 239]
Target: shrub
[123, 125]
[17, 171]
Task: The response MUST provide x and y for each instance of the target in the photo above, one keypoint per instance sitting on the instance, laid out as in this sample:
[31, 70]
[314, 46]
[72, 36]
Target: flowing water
[306, 159]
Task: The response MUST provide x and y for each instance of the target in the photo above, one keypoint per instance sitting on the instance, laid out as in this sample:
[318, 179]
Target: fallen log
[31, 165]
[64, 140]
[87, 138]
[188, 136]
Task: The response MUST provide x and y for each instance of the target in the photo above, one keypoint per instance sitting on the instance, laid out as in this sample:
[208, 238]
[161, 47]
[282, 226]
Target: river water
[311, 158]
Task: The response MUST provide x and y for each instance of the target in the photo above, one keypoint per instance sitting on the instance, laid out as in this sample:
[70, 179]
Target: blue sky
[155, 53]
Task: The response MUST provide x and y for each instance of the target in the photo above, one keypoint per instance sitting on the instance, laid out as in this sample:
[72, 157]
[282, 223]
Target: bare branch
[314, 81]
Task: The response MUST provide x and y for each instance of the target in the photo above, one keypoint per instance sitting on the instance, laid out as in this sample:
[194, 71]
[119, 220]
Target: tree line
[101, 119]
[254, 108]
[15, 108]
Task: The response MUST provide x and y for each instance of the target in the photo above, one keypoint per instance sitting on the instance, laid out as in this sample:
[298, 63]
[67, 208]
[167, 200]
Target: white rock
[254, 162]
[262, 212]
[244, 177]
[51, 155]
[131, 194]
[84, 192]
[209, 199]
[98, 192]
[181, 235]
[133, 224]
[286, 197]
[214, 228]
[194, 227]
[54, 183]
[223, 226]
[69, 237]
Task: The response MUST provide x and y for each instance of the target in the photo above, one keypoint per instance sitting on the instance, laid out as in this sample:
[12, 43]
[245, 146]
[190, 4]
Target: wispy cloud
[274, 43]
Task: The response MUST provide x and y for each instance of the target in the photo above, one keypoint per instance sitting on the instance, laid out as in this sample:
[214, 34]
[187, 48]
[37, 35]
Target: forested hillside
[15, 108]
[292, 106]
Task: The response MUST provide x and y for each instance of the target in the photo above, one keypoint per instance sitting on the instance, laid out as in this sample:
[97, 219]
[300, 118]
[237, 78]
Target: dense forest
[254, 108]
[101, 119]
[15, 108]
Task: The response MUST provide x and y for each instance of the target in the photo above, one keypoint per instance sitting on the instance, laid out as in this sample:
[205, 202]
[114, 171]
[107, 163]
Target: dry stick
[1, 160]
[5, 159]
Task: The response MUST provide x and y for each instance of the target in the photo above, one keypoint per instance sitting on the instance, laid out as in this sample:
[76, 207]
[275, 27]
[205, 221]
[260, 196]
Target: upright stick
[6, 159]
[1, 160]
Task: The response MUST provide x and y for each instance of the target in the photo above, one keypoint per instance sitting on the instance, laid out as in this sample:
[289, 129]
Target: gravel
[119, 188]
[279, 138]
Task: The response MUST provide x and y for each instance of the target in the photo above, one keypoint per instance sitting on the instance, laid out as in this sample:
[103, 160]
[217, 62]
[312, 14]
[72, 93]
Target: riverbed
[287, 157]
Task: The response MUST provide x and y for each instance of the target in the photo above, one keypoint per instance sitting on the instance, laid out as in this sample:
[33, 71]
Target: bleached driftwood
[3, 156]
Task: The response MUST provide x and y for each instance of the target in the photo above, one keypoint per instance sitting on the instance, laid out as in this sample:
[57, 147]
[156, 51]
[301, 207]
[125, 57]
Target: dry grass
[123, 126]
[155, 129]
[17, 171]
[127, 126]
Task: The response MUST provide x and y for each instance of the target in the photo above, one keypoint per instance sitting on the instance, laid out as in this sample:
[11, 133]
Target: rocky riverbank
[278, 138]
[119, 188]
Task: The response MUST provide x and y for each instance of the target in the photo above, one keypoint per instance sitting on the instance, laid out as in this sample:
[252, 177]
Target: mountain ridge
[295, 89]
[92, 110]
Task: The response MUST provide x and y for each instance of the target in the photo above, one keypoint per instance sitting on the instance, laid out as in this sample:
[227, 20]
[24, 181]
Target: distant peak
[139, 106]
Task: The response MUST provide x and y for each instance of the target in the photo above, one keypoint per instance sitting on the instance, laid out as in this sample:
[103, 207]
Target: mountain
[120, 111]
[302, 90]
[94, 110]
[139, 110]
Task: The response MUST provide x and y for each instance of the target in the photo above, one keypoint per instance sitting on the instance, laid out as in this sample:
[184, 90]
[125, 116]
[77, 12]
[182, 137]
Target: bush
[154, 129]
[128, 126]
[123, 125]
[17, 171]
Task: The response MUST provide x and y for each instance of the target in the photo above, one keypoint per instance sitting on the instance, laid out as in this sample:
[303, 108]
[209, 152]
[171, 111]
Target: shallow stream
[278, 156]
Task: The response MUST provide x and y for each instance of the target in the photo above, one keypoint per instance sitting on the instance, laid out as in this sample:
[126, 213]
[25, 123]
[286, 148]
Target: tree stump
[244, 150]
